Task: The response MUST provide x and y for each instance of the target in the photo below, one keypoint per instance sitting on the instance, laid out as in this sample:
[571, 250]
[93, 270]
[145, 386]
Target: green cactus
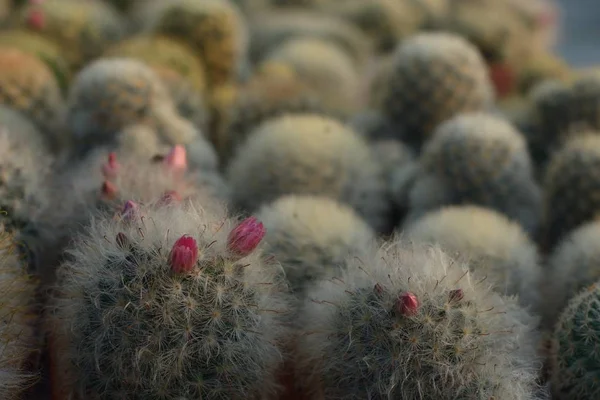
[311, 236]
[433, 77]
[574, 358]
[495, 246]
[171, 302]
[478, 159]
[409, 322]
[44, 49]
[214, 28]
[571, 187]
[309, 154]
[82, 29]
[28, 86]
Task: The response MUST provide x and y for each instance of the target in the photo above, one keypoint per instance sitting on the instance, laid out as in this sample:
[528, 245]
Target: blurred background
[580, 31]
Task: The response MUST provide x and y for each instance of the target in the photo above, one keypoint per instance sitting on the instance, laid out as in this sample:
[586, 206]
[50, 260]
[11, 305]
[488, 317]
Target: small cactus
[309, 154]
[311, 236]
[479, 159]
[495, 246]
[434, 76]
[409, 322]
[574, 358]
[202, 324]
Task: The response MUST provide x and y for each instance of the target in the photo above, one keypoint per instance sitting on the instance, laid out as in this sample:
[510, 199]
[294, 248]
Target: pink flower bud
[170, 197]
[456, 295]
[130, 209]
[36, 19]
[111, 167]
[407, 304]
[176, 160]
[244, 238]
[109, 190]
[184, 254]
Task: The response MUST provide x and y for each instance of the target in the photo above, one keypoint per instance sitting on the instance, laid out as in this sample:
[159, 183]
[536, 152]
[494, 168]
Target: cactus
[311, 236]
[308, 154]
[496, 247]
[207, 320]
[18, 317]
[28, 86]
[44, 49]
[570, 186]
[325, 68]
[214, 28]
[574, 357]
[479, 159]
[82, 29]
[409, 322]
[110, 94]
[272, 28]
[542, 66]
[434, 76]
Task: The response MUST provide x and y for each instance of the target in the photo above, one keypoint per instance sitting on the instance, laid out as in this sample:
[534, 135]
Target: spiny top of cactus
[438, 46]
[408, 321]
[24, 70]
[578, 155]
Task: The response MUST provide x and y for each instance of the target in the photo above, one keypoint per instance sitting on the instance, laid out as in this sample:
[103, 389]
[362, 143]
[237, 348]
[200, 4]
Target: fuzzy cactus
[543, 65]
[325, 68]
[309, 154]
[409, 322]
[573, 265]
[312, 236]
[433, 77]
[214, 28]
[82, 29]
[206, 321]
[495, 246]
[574, 356]
[110, 94]
[18, 339]
[570, 186]
[46, 50]
[30, 87]
[479, 159]
[272, 28]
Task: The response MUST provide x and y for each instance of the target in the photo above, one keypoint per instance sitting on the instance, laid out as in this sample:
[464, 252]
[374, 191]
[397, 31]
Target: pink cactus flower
[407, 304]
[36, 19]
[244, 238]
[109, 190]
[184, 254]
[130, 209]
[111, 167]
[176, 160]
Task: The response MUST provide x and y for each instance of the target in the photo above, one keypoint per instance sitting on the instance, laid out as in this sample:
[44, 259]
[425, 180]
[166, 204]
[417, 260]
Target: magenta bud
[130, 209]
[176, 160]
[184, 254]
[244, 238]
[111, 167]
[109, 190]
[407, 304]
[456, 295]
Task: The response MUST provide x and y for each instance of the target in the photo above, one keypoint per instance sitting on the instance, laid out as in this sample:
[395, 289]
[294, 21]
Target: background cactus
[478, 159]
[226, 308]
[434, 77]
[407, 321]
[18, 319]
[311, 236]
[309, 154]
[570, 186]
[495, 247]
[574, 359]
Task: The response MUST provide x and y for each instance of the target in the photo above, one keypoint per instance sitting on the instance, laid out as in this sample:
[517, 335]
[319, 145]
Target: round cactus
[496, 247]
[110, 94]
[214, 28]
[325, 68]
[44, 49]
[82, 29]
[433, 77]
[28, 86]
[571, 185]
[573, 265]
[542, 66]
[311, 236]
[574, 359]
[478, 159]
[309, 154]
[18, 318]
[207, 320]
[409, 322]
